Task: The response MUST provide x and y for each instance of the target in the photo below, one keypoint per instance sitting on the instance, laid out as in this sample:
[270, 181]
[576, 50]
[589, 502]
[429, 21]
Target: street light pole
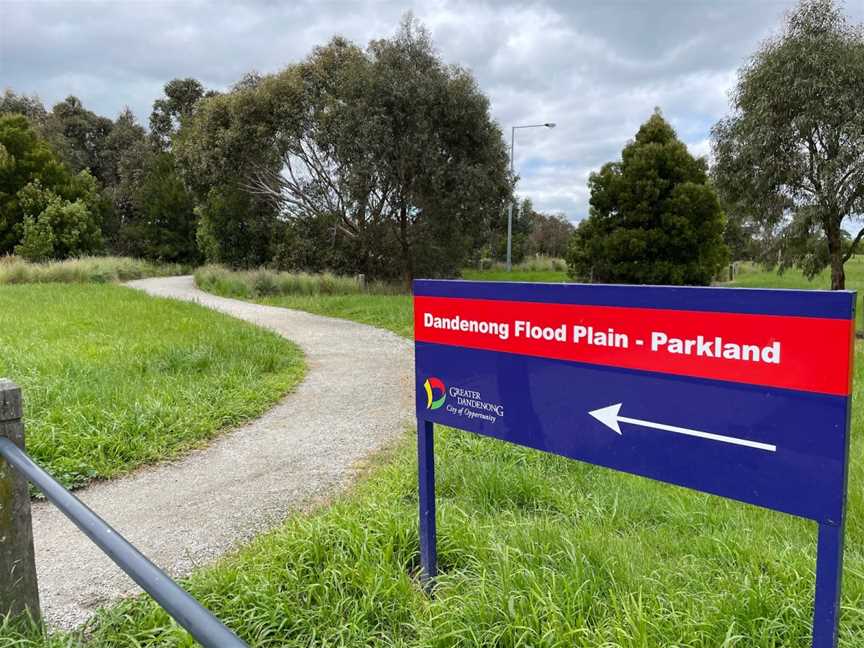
[510, 206]
[512, 175]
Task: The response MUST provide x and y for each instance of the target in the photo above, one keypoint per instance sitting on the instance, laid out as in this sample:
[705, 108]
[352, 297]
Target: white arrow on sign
[609, 417]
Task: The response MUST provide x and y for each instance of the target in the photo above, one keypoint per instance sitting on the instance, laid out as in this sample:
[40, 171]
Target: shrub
[37, 244]
[61, 229]
[264, 282]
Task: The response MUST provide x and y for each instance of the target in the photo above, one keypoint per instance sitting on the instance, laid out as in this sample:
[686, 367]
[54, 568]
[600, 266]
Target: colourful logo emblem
[433, 385]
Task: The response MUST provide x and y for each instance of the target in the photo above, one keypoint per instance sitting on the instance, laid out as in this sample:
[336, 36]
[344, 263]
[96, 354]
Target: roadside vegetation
[534, 550]
[114, 378]
[386, 306]
[15, 270]
[382, 305]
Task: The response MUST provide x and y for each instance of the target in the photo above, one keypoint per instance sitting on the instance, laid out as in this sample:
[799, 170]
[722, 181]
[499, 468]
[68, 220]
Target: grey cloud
[596, 68]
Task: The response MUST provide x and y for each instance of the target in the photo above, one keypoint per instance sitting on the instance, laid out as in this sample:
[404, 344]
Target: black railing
[201, 624]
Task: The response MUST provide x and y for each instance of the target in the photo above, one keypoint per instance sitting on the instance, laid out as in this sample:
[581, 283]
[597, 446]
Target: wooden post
[19, 591]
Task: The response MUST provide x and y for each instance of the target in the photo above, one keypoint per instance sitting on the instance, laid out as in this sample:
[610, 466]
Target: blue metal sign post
[426, 469]
[741, 393]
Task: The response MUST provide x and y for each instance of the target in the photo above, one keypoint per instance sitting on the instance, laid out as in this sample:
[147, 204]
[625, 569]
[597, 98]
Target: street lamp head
[549, 124]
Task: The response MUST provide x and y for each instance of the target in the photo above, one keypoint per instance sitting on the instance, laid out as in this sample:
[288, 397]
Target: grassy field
[392, 312]
[535, 551]
[752, 276]
[330, 295]
[549, 276]
[546, 269]
[113, 378]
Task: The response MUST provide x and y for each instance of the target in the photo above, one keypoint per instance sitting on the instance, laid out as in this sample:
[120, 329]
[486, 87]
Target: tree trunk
[835, 250]
[407, 252]
[838, 275]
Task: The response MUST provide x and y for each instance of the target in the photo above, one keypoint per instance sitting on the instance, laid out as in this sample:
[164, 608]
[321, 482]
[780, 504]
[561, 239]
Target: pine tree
[654, 217]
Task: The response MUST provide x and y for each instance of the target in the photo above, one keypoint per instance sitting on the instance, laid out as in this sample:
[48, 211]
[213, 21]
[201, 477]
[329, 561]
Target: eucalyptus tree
[180, 96]
[28, 105]
[789, 160]
[394, 150]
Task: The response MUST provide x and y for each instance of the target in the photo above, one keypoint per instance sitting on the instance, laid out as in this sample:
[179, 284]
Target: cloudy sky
[597, 68]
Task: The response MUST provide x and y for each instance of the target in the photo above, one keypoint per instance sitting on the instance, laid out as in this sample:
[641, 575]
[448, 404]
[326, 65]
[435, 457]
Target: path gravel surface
[356, 398]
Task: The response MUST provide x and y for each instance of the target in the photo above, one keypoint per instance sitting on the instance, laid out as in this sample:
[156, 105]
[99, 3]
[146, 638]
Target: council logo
[432, 386]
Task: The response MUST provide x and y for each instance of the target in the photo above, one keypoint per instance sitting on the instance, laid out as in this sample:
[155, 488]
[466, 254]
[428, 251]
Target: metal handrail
[189, 613]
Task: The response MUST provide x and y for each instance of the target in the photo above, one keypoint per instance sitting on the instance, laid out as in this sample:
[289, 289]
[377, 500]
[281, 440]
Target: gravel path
[355, 399]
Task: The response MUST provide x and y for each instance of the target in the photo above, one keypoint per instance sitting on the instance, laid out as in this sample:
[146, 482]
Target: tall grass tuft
[536, 263]
[256, 284]
[14, 270]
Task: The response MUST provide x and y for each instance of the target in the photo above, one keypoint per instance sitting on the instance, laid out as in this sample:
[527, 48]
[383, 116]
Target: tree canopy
[654, 217]
[180, 98]
[382, 160]
[790, 157]
[387, 152]
[45, 210]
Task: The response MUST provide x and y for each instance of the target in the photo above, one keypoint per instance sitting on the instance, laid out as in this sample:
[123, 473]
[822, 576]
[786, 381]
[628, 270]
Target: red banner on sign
[778, 351]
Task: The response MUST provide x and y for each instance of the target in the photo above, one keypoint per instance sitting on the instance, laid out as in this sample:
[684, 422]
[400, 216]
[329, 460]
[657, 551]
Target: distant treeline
[383, 161]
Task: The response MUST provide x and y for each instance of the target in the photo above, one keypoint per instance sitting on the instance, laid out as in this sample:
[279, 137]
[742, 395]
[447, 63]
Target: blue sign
[737, 392]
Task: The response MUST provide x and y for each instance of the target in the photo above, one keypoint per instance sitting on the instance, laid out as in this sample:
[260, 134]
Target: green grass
[113, 378]
[750, 275]
[14, 270]
[535, 550]
[543, 269]
[549, 276]
[753, 276]
[381, 305]
[392, 312]
[378, 304]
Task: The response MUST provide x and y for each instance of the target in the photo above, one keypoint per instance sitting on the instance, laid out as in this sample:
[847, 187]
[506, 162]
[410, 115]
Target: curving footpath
[356, 398]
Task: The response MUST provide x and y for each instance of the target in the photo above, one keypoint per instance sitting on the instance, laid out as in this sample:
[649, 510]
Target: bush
[654, 217]
[14, 270]
[60, 230]
[252, 284]
[37, 244]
